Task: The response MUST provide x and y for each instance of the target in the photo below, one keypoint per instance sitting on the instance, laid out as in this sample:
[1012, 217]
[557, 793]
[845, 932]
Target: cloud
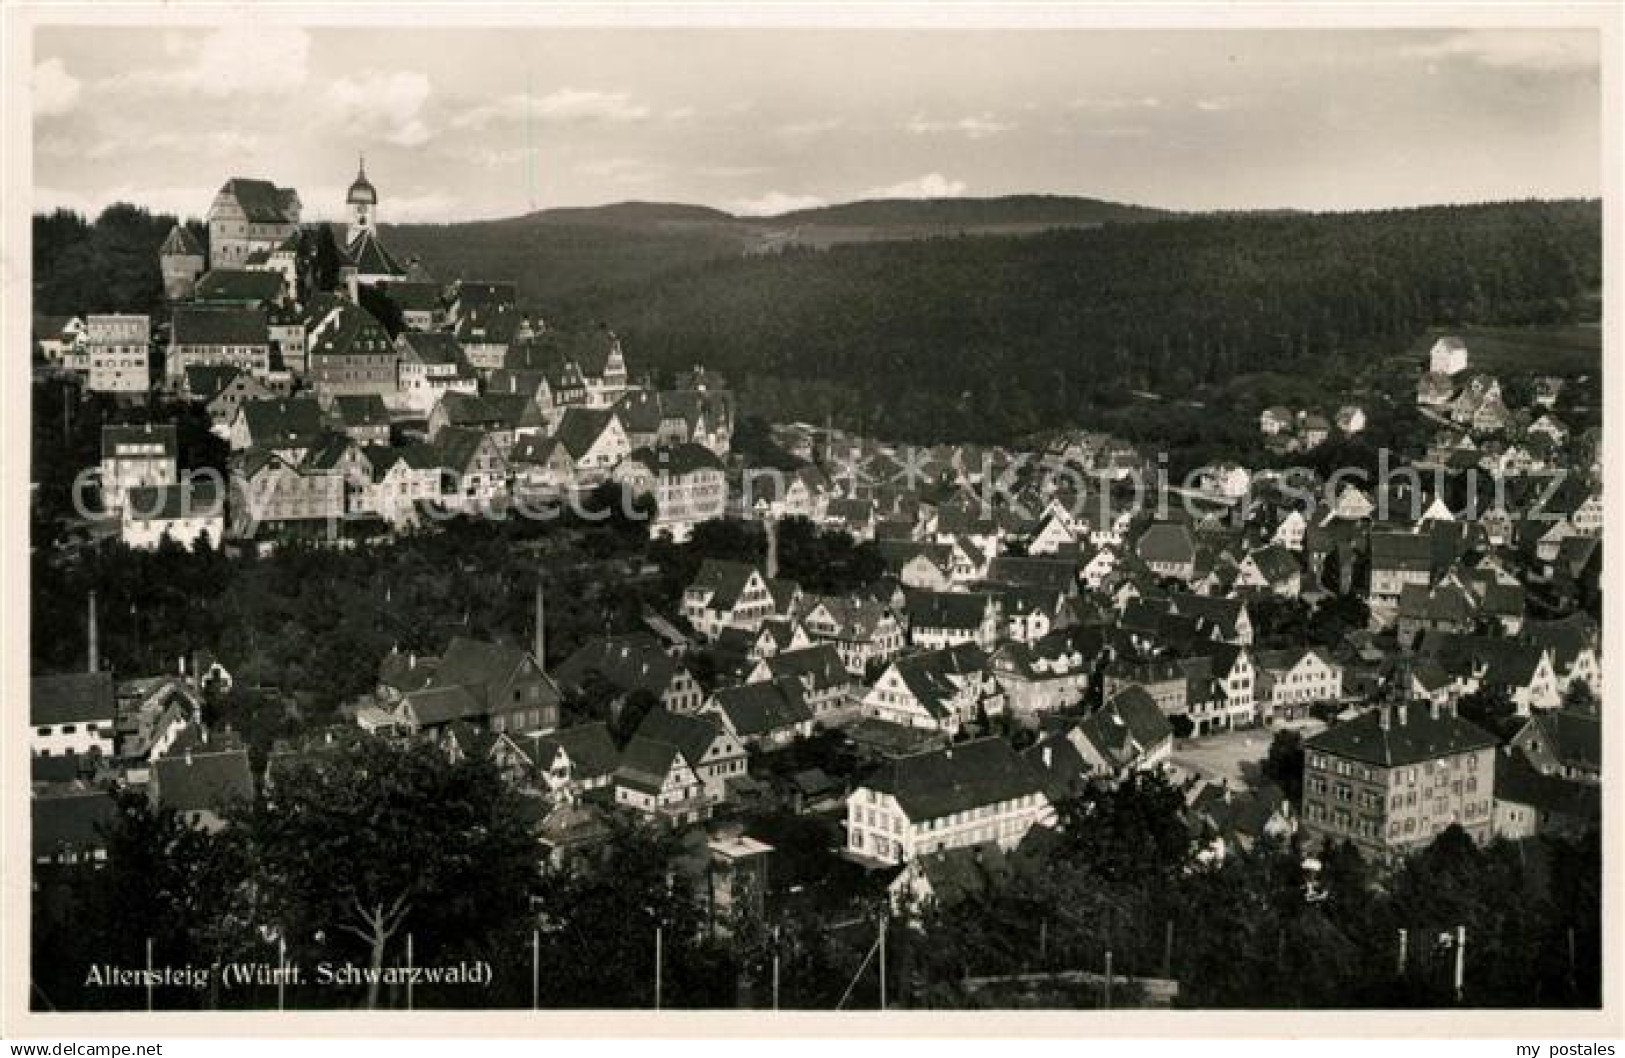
[622, 170]
[567, 105]
[931, 185]
[496, 158]
[773, 203]
[233, 61]
[731, 172]
[1516, 49]
[812, 127]
[388, 106]
[56, 91]
[974, 127]
[125, 141]
[1115, 103]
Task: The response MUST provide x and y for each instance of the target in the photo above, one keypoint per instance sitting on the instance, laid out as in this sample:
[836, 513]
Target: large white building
[968, 794]
[116, 348]
[72, 714]
[136, 456]
[186, 512]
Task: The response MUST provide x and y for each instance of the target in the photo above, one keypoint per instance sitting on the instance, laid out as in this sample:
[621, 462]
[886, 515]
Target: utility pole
[535, 969]
[775, 970]
[1108, 996]
[149, 975]
[882, 960]
[1168, 951]
[1404, 942]
[658, 941]
[409, 973]
[282, 969]
[1461, 958]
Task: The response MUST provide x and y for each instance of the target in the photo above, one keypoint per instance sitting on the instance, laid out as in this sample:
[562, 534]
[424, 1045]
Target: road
[1233, 757]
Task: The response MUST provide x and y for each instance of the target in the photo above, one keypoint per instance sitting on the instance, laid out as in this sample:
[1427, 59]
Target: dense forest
[106, 265]
[993, 337]
[977, 338]
[559, 255]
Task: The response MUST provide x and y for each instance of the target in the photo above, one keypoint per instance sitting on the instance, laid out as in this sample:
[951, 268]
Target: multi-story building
[186, 513]
[211, 335]
[1393, 778]
[1289, 681]
[135, 456]
[727, 595]
[72, 714]
[864, 631]
[968, 794]
[349, 353]
[116, 347]
[687, 484]
[432, 364]
[247, 217]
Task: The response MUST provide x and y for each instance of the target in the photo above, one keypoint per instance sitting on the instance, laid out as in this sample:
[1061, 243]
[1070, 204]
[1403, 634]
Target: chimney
[541, 627]
[181, 665]
[772, 549]
[1433, 708]
[188, 758]
[1048, 757]
[1385, 716]
[94, 659]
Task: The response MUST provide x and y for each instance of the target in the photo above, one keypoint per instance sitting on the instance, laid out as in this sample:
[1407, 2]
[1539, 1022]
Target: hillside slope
[556, 255]
[989, 338]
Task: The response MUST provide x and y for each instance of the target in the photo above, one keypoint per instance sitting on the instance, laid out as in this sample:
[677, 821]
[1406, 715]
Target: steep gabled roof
[580, 428]
[282, 420]
[255, 286]
[590, 748]
[180, 243]
[370, 257]
[219, 325]
[756, 709]
[194, 782]
[947, 609]
[692, 735]
[958, 778]
[70, 822]
[819, 665]
[71, 698]
[1574, 737]
[261, 200]
[1414, 734]
[360, 409]
[630, 663]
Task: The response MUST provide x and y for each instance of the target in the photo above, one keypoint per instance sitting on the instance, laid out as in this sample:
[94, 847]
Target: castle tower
[180, 260]
[363, 202]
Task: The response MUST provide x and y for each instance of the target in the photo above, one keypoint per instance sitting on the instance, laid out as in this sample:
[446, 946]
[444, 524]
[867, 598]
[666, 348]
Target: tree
[629, 714]
[369, 839]
[1492, 710]
[1283, 764]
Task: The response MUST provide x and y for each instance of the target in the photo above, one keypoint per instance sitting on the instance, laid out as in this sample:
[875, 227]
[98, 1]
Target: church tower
[363, 201]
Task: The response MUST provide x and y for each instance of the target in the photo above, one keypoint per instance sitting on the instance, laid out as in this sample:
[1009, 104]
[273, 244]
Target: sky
[469, 123]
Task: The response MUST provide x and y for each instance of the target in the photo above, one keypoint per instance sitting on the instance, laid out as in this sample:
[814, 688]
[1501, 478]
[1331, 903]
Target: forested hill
[988, 338]
[557, 254]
